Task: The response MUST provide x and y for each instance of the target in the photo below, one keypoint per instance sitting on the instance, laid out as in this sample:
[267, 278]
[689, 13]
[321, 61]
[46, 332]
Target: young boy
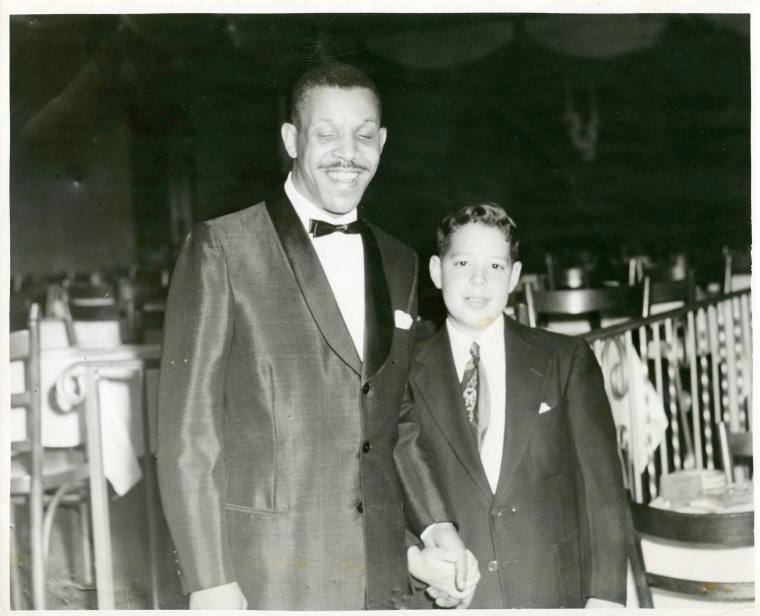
[519, 431]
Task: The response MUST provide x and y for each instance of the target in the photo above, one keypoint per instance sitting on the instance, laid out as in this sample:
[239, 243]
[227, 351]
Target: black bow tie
[318, 228]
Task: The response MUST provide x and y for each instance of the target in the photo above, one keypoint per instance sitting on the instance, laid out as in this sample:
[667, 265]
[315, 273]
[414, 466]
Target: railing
[79, 383]
[671, 380]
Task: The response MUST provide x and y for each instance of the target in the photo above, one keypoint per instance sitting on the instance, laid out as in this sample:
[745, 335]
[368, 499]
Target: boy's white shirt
[493, 360]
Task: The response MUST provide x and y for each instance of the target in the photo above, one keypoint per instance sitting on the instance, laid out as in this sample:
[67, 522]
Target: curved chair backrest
[716, 530]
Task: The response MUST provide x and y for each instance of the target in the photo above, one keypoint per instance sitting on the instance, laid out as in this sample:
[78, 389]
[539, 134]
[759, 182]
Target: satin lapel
[526, 374]
[312, 281]
[378, 316]
[438, 384]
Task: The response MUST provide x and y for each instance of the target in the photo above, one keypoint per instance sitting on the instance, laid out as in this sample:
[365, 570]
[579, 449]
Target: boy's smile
[476, 276]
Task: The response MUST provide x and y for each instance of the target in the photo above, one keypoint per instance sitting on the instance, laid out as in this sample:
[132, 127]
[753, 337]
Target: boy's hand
[445, 536]
[435, 567]
[443, 600]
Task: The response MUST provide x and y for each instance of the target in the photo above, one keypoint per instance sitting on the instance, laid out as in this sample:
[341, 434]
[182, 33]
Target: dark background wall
[162, 119]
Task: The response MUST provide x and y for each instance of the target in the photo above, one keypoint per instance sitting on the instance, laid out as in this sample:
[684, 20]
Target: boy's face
[476, 276]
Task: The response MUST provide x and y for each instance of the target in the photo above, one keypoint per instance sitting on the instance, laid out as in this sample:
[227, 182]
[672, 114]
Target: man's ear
[435, 270]
[515, 275]
[289, 134]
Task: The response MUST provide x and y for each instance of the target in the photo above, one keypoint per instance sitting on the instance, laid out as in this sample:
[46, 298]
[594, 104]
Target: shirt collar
[487, 339]
[306, 210]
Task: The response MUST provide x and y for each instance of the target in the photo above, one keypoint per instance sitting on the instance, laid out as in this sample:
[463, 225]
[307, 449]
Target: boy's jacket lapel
[438, 384]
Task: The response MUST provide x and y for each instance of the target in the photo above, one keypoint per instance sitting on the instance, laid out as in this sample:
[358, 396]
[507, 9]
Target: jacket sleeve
[191, 465]
[423, 500]
[602, 499]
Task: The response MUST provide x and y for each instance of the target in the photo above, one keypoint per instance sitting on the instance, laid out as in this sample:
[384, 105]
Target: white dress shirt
[493, 360]
[342, 259]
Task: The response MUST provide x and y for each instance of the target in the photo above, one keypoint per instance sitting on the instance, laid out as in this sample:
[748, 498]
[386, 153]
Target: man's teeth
[343, 176]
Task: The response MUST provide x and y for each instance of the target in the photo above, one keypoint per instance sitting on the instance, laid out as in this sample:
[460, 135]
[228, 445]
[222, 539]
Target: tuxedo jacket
[276, 444]
[553, 533]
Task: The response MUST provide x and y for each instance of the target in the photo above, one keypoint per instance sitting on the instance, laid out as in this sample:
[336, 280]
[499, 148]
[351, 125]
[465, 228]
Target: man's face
[476, 276]
[336, 148]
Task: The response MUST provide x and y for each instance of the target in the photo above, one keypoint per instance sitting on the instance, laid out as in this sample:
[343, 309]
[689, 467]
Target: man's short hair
[489, 214]
[330, 75]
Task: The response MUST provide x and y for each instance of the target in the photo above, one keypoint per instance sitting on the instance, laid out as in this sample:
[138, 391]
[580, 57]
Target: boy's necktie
[475, 394]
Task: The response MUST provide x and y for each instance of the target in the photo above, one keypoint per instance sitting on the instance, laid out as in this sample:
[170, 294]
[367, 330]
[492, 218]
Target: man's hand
[443, 535]
[225, 597]
[444, 599]
[435, 567]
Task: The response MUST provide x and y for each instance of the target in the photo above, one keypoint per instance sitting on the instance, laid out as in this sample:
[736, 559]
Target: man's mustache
[342, 166]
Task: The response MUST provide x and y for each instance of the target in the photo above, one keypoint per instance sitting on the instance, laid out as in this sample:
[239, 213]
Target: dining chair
[41, 479]
[737, 269]
[662, 294]
[591, 305]
[695, 530]
[736, 452]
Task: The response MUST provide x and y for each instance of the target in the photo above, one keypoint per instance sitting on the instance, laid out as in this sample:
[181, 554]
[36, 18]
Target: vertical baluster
[644, 350]
[704, 381]
[672, 393]
[634, 428]
[657, 347]
[723, 358]
[747, 339]
[743, 378]
[690, 344]
[712, 327]
[731, 367]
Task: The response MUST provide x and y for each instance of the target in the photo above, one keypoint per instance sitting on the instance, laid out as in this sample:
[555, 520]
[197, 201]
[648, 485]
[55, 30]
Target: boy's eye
[498, 266]
[460, 263]
[366, 137]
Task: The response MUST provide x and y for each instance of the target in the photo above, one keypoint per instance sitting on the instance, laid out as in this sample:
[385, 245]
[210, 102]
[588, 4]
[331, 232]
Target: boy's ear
[435, 270]
[515, 275]
[289, 134]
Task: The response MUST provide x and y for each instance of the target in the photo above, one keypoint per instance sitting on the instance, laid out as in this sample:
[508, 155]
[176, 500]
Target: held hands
[225, 597]
[436, 567]
[450, 570]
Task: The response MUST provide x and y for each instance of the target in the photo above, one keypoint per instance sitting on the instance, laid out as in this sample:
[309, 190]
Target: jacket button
[493, 565]
[365, 388]
[513, 508]
[499, 512]
[360, 507]
[366, 447]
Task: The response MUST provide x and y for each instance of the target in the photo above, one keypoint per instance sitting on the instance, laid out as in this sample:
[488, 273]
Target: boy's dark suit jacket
[553, 534]
[275, 443]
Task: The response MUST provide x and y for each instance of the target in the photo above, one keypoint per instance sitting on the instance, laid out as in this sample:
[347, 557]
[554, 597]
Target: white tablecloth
[120, 403]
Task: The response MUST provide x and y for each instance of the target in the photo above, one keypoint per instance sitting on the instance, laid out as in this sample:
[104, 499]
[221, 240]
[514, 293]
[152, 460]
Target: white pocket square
[403, 320]
[544, 408]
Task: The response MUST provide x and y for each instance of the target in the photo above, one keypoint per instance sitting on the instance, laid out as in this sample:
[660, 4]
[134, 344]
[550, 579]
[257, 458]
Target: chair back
[668, 293]
[24, 346]
[715, 530]
[591, 303]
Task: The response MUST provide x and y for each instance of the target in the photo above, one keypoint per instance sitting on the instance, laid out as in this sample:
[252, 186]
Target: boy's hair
[489, 214]
[330, 75]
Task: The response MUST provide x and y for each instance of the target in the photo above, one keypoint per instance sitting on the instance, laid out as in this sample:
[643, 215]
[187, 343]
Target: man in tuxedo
[285, 351]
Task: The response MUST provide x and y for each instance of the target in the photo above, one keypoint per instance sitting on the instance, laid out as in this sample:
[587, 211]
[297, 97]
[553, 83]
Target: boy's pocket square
[544, 408]
[403, 320]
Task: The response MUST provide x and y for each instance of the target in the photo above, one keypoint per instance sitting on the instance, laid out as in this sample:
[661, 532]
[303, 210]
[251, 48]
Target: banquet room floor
[130, 558]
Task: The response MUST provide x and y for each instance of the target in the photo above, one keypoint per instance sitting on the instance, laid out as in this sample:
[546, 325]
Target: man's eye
[326, 135]
[366, 137]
